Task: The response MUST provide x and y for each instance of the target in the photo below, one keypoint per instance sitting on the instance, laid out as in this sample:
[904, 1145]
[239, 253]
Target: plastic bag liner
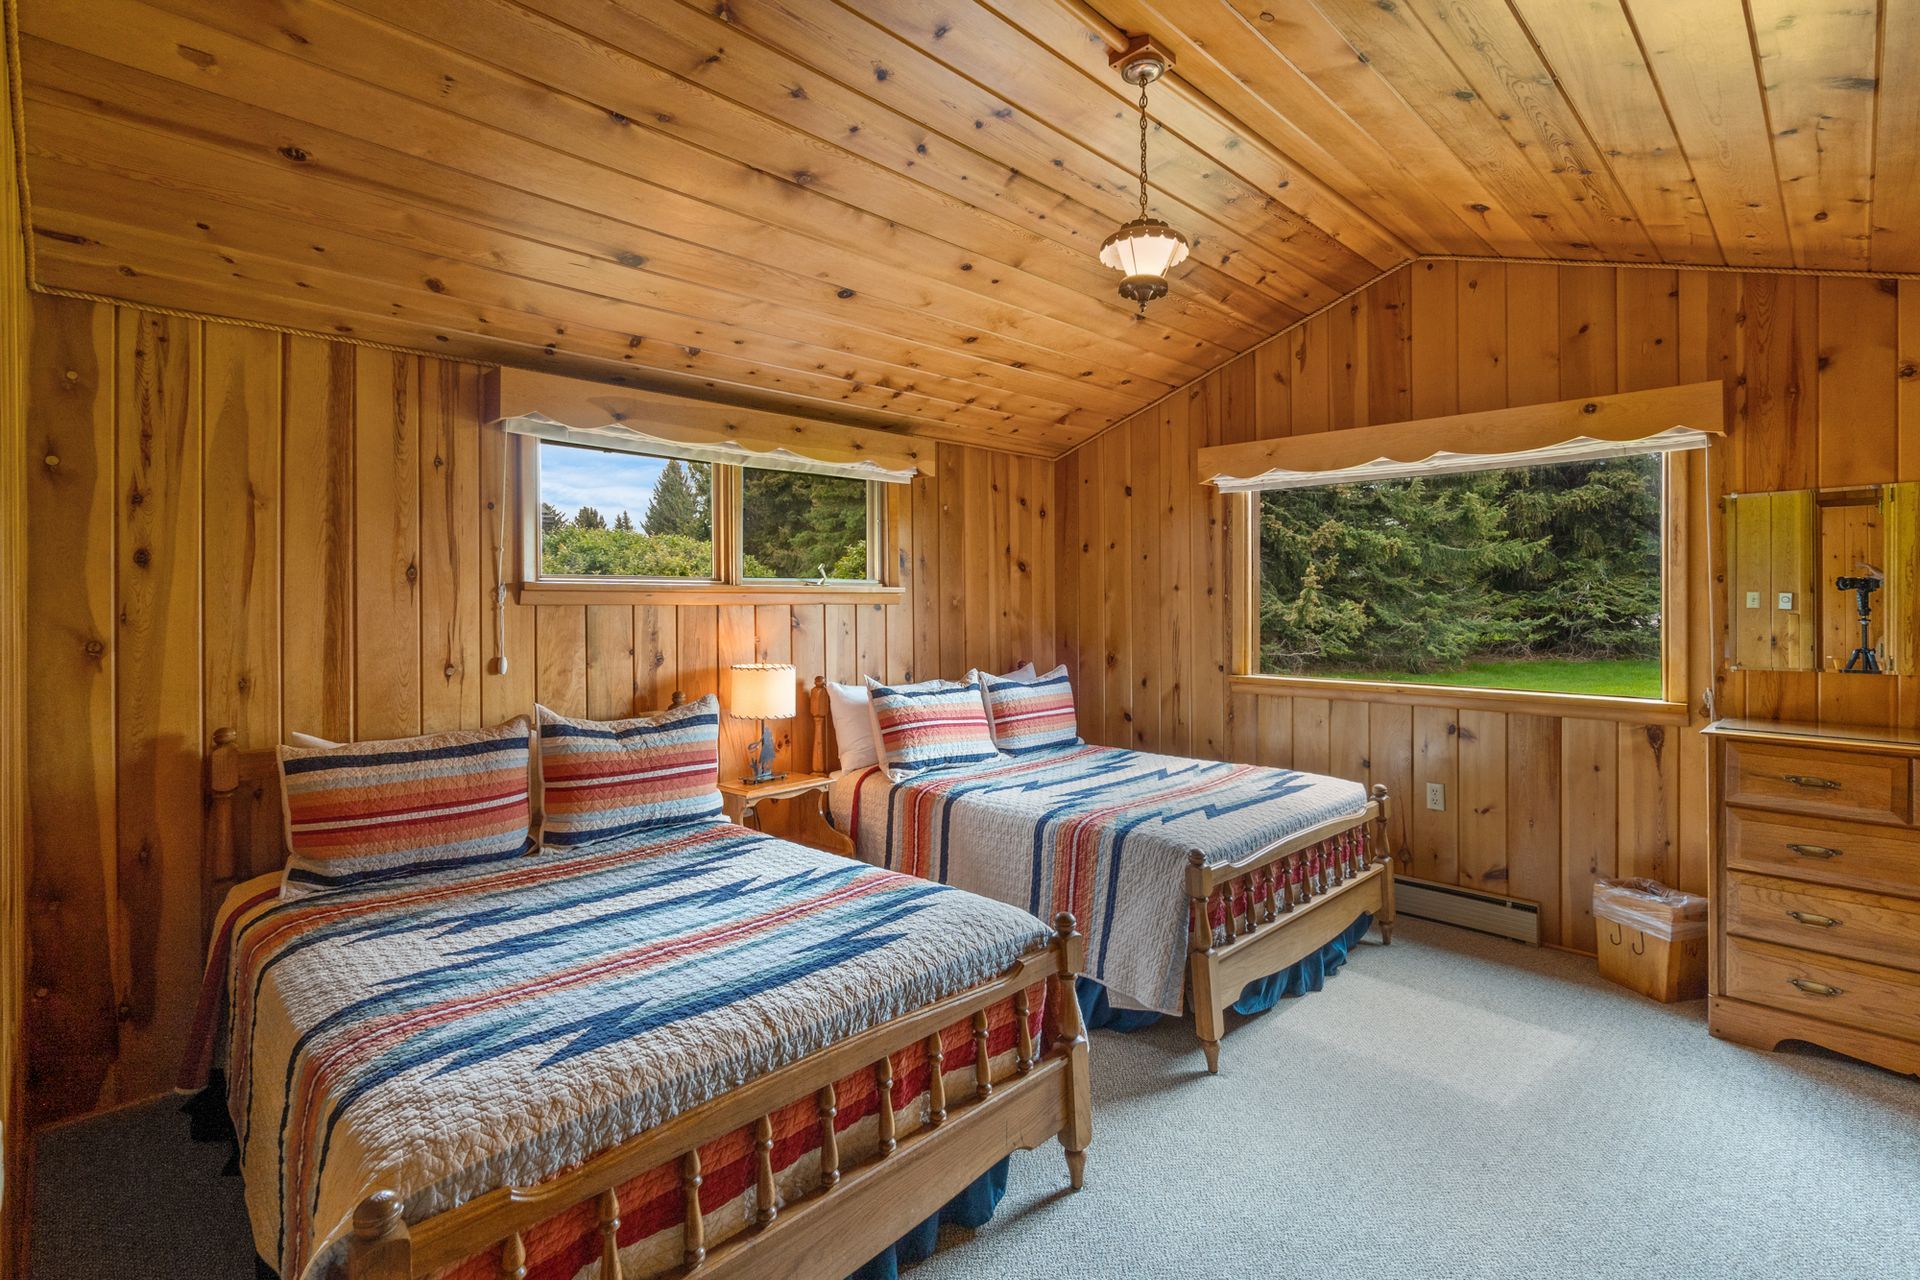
[1651, 907]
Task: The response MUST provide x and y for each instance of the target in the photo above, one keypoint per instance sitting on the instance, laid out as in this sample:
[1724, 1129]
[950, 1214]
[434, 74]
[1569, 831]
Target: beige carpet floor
[1452, 1106]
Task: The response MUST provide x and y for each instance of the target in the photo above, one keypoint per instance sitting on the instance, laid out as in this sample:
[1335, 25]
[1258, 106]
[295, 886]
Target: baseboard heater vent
[1468, 909]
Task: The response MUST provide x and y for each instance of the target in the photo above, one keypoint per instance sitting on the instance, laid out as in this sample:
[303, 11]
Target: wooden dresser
[1816, 889]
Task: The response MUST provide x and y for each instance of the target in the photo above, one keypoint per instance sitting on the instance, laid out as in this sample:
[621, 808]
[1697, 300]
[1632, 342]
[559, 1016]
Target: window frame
[1677, 514]
[728, 585]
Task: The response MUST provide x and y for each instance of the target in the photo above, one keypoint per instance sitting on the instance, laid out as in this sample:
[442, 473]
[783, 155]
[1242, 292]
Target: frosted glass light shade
[1144, 247]
[762, 691]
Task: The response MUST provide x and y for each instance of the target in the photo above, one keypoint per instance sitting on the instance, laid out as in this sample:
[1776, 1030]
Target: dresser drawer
[1841, 784]
[1841, 922]
[1867, 996]
[1844, 853]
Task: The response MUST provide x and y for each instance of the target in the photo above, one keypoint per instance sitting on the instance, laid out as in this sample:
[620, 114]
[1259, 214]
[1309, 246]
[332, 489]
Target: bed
[1192, 879]
[620, 1062]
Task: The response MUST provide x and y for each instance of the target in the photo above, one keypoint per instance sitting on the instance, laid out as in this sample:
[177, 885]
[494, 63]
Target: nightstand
[743, 798]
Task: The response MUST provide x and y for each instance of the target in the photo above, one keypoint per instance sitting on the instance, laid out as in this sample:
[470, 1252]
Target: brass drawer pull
[1813, 918]
[1808, 780]
[1813, 988]
[1814, 851]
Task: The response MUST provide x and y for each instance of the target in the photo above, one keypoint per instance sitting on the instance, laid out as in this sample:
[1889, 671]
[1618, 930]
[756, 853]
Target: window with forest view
[624, 515]
[1544, 578]
[614, 515]
[794, 525]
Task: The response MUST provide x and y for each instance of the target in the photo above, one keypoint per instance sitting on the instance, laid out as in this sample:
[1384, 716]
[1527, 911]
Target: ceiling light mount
[1141, 62]
[1144, 249]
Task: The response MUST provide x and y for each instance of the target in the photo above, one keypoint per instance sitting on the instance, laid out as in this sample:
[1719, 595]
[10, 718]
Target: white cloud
[571, 478]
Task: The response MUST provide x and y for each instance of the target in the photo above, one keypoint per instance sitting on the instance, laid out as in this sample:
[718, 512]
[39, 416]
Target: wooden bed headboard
[243, 825]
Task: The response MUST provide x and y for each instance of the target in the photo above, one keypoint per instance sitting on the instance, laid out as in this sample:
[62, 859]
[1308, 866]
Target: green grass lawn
[1614, 677]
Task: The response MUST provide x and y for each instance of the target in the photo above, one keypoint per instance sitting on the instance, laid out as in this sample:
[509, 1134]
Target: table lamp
[762, 691]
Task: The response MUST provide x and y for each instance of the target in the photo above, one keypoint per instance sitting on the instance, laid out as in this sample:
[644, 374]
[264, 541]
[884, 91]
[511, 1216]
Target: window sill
[1577, 706]
[697, 593]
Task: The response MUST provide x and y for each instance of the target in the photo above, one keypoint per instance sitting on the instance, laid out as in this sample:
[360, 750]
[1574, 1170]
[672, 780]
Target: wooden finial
[380, 1248]
[817, 708]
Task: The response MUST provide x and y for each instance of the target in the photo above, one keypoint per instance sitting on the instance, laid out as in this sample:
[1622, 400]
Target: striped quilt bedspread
[467, 1030]
[1098, 831]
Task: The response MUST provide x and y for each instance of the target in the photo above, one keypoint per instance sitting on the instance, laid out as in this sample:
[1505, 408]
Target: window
[610, 516]
[624, 515]
[799, 526]
[1545, 579]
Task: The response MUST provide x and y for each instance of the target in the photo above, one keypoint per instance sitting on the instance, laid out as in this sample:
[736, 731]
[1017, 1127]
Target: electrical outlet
[1785, 601]
[1753, 599]
[1437, 796]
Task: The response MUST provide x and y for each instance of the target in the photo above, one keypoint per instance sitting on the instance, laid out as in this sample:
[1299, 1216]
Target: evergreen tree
[589, 518]
[1422, 574]
[702, 494]
[794, 524]
[623, 523]
[550, 518]
[674, 508]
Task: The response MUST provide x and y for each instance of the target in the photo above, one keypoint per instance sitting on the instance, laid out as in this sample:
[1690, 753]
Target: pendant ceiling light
[1145, 249]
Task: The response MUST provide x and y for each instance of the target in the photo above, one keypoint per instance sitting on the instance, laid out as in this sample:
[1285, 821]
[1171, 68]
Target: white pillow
[852, 725]
[1024, 673]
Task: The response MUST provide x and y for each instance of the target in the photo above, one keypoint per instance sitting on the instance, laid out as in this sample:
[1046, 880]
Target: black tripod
[1863, 658]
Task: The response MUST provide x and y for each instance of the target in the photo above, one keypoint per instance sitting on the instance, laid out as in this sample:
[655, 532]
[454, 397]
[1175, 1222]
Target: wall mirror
[1824, 579]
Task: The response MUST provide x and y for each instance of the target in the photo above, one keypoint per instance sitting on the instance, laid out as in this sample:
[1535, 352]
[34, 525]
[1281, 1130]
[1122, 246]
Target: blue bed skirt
[1257, 996]
[970, 1209]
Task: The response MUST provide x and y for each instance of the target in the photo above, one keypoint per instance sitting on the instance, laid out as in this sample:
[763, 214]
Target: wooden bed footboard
[1279, 905]
[857, 1210]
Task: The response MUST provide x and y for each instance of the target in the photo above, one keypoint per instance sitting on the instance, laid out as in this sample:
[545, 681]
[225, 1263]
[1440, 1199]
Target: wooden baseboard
[1758, 1027]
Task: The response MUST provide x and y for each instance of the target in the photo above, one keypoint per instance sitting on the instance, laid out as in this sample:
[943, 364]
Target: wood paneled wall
[13, 588]
[235, 527]
[1821, 391]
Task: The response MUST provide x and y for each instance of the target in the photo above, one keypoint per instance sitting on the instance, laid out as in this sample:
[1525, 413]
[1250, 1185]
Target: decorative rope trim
[17, 134]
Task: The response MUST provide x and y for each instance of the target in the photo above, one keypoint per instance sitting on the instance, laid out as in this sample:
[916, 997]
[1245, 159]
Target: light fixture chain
[1143, 151]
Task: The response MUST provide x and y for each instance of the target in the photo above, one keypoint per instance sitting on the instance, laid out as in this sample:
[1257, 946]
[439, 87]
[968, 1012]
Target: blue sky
[571, 478]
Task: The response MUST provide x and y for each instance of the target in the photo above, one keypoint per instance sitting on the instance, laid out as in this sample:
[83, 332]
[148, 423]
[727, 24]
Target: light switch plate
[1785, 599]
[1753, 599]
[1437, 796]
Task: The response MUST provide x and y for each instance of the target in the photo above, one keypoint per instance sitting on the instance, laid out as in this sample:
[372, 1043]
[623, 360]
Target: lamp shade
[1144, 247]
[762, 691]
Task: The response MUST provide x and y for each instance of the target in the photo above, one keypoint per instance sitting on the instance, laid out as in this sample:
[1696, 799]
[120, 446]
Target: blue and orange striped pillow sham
[929, 725]
[610, 779]
[368, 811]
[1030, 715]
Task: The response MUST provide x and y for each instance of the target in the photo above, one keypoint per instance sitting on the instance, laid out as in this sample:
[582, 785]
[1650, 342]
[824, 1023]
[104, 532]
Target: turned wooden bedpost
[817, 708]
[217, 862]
[1072, 1035]
[1207, 1019]
[380, 1248]
[1385, 859]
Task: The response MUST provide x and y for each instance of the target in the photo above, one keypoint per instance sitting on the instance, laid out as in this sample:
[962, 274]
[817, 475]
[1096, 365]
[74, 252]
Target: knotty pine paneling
[1820, 390]
[232, 527]
[13, 713]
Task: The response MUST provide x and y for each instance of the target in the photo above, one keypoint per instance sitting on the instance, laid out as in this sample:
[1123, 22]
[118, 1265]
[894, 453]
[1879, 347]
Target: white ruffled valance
[1658, 421]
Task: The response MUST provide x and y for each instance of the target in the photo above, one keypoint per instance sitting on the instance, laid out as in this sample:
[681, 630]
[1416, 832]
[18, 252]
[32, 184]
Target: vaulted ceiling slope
[889, 210]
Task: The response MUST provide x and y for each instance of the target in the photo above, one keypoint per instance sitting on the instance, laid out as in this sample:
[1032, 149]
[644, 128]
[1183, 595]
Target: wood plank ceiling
[889, 210]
